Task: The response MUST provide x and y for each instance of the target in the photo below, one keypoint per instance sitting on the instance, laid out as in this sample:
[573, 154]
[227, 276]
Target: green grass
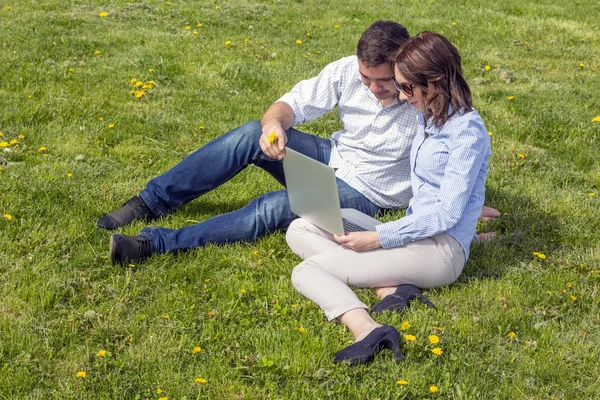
[62, 301]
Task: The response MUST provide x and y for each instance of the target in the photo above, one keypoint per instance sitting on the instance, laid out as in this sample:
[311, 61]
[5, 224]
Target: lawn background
[515, 325]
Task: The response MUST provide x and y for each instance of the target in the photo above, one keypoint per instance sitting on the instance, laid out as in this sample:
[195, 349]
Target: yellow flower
[131, 265]
[487, 67]
[8, 217]
[410, 338]
[272, 137]
[166, 316]
[298, 41]
[43, 148]
[81, 374]
[211, 314]
[110, 126]
[101, 353]
[302, 330]
[227, 43]
[97, 52]
[596, 119]
[433, 339]
[3, 144]
[159, 390]
[21, 137]
[243, 291]
[163, 398]
[195, 32]
[437, 351]
[453, 23]
[521, 155]
[433, 388]
[139, 94]
[199, 26]
[511, 335]
[1, 134]
[511, 97]
[402, 382]
[14, 141]
[200, 380]
[573, 298]
[539, 255]
[581, 65]
[187, 28]
[490, 133]
[405, 325]
[168, 3]
[103, 14]
[294, 306]
[196, 350]
[592, 194]
[217, 7]
[69, 175]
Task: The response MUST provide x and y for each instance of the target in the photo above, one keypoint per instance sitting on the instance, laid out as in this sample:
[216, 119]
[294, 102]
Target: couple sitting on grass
[410, 137]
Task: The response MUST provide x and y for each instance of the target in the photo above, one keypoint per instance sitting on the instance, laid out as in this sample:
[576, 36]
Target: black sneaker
[135, 208]
[128, 249]
[400, 299]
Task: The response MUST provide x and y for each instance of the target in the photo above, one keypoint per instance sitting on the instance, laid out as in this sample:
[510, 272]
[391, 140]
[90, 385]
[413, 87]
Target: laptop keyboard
[351, 226]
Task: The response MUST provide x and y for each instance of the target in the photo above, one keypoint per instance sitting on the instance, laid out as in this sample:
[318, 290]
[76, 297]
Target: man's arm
[276, 119]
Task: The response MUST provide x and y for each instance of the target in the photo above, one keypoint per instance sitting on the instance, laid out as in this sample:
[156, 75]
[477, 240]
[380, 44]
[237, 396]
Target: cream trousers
[329, 269]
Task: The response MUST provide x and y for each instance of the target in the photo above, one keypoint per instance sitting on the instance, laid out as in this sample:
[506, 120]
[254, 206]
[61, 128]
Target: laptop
[313, 195]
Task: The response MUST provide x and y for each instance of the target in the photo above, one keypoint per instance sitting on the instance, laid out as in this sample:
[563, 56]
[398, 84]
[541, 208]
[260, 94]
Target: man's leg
[209, 167]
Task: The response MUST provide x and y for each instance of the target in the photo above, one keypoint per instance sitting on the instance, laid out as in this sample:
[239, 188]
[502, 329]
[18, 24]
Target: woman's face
[416, 99]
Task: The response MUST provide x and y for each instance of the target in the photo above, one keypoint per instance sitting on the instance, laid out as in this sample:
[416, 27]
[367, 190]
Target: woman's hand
[359, 241]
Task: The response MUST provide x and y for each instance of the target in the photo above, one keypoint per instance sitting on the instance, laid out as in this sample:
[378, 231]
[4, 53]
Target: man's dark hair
[380, 42]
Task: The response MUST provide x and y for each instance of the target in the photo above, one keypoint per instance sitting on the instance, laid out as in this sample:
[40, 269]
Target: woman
[430, 245]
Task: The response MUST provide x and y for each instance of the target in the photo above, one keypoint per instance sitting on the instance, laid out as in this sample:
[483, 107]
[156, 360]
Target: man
[370, 155]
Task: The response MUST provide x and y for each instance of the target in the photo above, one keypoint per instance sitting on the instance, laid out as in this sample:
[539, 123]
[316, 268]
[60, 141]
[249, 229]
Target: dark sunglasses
[406, 88]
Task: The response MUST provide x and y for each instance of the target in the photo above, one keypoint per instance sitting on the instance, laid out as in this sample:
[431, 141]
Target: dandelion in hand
[272, 138]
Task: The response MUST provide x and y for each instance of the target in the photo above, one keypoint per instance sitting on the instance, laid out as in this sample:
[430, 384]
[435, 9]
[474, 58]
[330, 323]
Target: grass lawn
[80, 136]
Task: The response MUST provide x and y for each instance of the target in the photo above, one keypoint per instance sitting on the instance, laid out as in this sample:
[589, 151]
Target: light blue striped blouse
[448, 172]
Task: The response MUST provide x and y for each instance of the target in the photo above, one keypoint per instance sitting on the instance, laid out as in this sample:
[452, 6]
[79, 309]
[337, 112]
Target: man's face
[379, 80]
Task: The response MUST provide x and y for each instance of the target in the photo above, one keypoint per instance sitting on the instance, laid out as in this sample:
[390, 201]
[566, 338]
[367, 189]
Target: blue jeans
[217, 162]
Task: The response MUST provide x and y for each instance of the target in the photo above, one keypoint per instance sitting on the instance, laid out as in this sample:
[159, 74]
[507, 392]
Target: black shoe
[400, 299]
[128, 249]
[363, 352]
[135, 208]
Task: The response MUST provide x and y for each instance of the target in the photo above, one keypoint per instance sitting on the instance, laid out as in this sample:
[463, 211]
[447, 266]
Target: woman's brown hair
[430, 61]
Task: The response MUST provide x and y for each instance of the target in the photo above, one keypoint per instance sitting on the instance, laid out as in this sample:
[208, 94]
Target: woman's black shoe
[400, 299]
[362, 352]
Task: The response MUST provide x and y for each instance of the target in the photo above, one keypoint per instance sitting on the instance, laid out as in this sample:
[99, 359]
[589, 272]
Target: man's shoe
[128, 249]
[135, 208]
[400, 299]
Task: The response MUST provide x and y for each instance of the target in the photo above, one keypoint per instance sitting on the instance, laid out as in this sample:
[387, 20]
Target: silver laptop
[313, 195]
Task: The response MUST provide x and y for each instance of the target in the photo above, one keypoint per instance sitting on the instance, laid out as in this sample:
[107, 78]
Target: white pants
[329, 269]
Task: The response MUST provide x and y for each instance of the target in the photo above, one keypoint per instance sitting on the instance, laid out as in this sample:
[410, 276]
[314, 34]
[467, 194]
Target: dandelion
[196, 350]
[14, 141]
[187, 28]
[101, 354]
[298, 41]
[21, 137]
[437, 351]
[163, 398]
[410, 338]
[131, 265]
[199, 26]
[103, 14]
[81, 374]
[402, 382]
[159, 390]
[3, 144]
[433, 388]
[336, 26]
[200, 380]
[43, 148]
[227, 43]
[110, 126]
[272, 138]
[69, 175]
[211, 314]
[596, 119]
[168, 3]
[453, 23]
[581, 65]
[511, 335]
[8, 217]
[1, 134]
[539, 255]
[591, 194]
[97, 52]
[302, 330]
[195, 32]
[217, 7]
[487, 67]
[293, 306]
[243, 291]
[166, 316]
[511, 98]
[433, 339]
[521, 155]
[405, 325]
[490, 133]
[573, 298]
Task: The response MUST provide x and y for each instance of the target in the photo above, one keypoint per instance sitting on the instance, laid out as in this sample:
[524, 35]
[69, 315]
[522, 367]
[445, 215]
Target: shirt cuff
[388, 235]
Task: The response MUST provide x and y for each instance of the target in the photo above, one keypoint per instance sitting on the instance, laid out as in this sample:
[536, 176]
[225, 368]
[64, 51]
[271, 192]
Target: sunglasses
[406, 88]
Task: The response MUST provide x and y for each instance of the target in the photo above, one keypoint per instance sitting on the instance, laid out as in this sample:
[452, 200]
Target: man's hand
[359, 241]
[273, 140]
